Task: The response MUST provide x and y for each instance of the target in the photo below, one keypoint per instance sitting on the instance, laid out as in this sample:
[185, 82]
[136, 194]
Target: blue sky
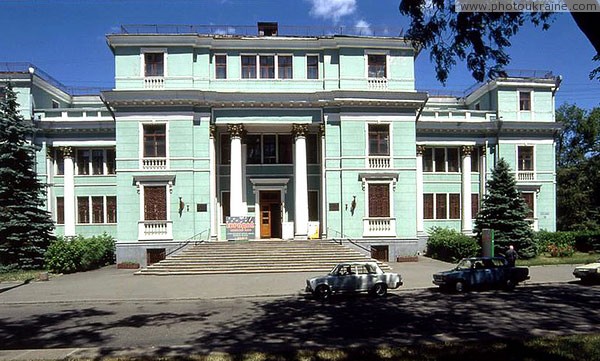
[66, 38]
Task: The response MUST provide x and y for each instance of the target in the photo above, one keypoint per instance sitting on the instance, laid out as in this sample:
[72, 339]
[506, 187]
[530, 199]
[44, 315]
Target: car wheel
[323, 292]
[460, 286]
[509, 285]
[379, 290]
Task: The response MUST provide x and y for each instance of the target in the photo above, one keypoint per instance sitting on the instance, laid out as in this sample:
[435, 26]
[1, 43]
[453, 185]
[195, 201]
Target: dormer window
[377, 66]
[154, 64]
[524, 100]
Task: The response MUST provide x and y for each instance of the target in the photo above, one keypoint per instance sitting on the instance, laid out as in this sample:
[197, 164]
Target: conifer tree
[25, 227]
[504, 211]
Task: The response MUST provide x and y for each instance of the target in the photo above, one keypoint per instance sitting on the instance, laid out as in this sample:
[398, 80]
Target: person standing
[511, 255]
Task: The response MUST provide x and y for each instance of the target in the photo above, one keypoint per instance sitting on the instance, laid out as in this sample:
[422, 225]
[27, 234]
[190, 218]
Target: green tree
[479, 38]
[504, 211]
[25, 228]
[578, 168]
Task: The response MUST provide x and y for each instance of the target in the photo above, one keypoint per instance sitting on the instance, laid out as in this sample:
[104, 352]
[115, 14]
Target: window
[528, 197]
[155, 203]
[97, 209]
[83, 210]
[267, 66]
[428, 206]
[474, 205]
[475, 160]
[284, 64]
[225, 205]
[59, 162]
[524, 100]
[454, 200]
[155, 140]
[55, 104]
[477, 106]
[154, 64]
[441, 160]
[312, 67]
[110, 161]
[377, 66]
[111, 209]
[225, 149]
[83, 161]
[525, 158]
[313, 206]
[60, 210]
[440, 206]
[94, 209]
[221, 66]
[248, 67]
[379, 200]
[379, 139]
[91, 161]
[274, 149]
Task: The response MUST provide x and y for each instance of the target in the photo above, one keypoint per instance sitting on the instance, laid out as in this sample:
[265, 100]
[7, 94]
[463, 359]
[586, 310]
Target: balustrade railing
[154, 82]
[378, 83]
[155, 229]
[525, 175]
[379, 162]
[379, 226]
[154, 163]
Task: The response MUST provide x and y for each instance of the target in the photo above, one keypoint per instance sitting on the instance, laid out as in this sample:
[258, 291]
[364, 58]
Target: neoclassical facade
[297, 137]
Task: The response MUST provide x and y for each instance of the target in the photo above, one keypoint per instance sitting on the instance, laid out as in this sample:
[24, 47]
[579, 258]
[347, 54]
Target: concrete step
[256, 257]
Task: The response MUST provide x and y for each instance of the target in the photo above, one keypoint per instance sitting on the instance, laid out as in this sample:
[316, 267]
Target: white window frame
[143, 52]
[258, 56]
[533, 160]
[256, 66]
[390, 184]
[226, 65]
[89, 163]
[530, 91]
[377, 52]
[141, 140]
[318, 66]
[91, 209]
[277, 65]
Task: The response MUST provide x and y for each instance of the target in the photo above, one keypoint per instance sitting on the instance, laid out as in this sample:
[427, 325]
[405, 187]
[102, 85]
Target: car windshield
[464, 264]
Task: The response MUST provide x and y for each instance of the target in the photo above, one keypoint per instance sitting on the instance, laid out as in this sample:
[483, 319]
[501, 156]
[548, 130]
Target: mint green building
[295, 136]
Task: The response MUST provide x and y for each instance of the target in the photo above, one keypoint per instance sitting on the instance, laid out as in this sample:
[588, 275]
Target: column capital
[466, 150]
[299, 130]
[236, 130]
[50, 152]
[322, 129]
[212, 131]
[66, 151]
[420, 150]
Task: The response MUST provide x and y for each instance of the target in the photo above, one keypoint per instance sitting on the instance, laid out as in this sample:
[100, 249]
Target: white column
[236, 208]
[69, 192]
[419, 189]
[323, 193]
[213, 183]
[466, 216]
[300, 182]
[50, 180]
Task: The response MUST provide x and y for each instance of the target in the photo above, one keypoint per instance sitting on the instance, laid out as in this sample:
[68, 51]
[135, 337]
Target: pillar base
[301, 237]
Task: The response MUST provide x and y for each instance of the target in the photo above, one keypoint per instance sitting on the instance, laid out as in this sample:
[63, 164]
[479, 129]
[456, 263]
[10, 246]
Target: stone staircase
[269, 256]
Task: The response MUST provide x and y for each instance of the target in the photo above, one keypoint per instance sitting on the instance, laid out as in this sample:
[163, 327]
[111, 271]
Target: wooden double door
[270, 214]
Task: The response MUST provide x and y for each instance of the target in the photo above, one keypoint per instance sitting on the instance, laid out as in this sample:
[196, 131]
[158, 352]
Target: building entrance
[270, 214]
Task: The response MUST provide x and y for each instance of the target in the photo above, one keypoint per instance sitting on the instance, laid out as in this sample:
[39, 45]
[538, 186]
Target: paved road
[111, 312]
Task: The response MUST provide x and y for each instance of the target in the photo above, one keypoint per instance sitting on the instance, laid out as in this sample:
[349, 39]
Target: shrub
[80, 254]
[449, 245]
[557, 244]
[587, 241]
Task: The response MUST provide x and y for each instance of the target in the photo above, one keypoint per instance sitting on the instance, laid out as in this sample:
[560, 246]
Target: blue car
[481, 272]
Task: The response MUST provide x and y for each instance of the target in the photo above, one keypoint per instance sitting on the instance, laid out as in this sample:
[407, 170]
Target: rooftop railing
[252, 30]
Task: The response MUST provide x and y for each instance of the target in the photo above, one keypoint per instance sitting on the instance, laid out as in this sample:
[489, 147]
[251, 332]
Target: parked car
[350, 277]
[480, 272]
[589, 272]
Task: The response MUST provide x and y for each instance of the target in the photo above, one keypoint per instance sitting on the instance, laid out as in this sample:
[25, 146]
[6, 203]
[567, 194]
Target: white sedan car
[353, 277]
[589, 272]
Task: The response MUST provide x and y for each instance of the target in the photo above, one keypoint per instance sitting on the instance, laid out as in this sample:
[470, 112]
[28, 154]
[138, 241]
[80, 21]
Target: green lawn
[545, 259]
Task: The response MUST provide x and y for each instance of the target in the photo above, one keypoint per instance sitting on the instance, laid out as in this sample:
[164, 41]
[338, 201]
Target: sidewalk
[111, 284]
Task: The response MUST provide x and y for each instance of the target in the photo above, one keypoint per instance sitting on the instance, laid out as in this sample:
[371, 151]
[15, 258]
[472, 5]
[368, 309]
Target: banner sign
[239, 228]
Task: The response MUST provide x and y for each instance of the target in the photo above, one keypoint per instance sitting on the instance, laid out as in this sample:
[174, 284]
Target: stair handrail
[188, 241]
[350, 240]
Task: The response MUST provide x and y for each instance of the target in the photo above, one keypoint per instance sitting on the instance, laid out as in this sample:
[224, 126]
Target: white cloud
[332, 9]
[363, 28]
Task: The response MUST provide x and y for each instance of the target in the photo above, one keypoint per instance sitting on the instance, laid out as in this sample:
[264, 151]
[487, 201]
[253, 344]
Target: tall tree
[25, 227]
[480, 38]
[578, 168]
[504, 211]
